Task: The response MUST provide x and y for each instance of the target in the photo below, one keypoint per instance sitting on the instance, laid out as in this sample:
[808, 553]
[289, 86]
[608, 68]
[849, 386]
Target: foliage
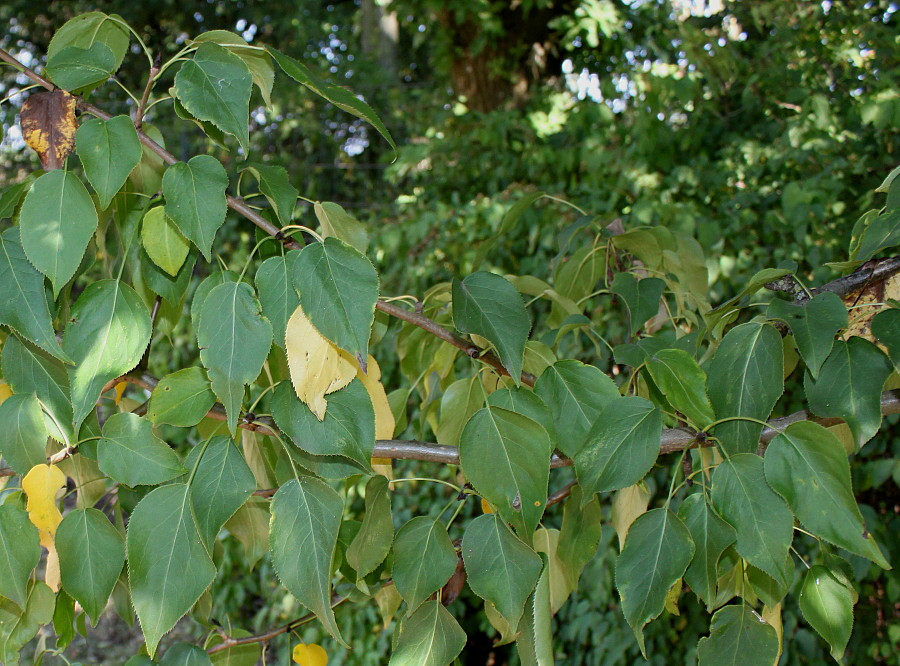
[274, 450]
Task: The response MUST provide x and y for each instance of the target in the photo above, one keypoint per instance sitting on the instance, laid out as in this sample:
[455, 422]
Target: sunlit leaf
[340, 224]
[376, 534]
[827, 605]
[309, 655]
[41, 485]
[20, 551]
[73, 68]
[431, 637]
[24, 440]
[738, 637]
[181, 399]
[164, 244]
[195, 199]
[91, 28]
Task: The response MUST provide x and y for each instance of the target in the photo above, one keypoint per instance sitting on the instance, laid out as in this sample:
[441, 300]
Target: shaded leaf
[195, 199]
[711, 536]
[19, 625]
[20, 550]
[85, 30]
[526, 402]
[250, 526]
[48, 126]
[181, 399]
[185, 654]
[431, 637]
[376, 534]
[535, 643]
[130, 452]
[459, 402]
[827, 605]
[813, 324]
[738, 637]
[24, 440]
[424, 559]
[640, 296]
[275, 286]
[681, 380]
[109, 150]
[881, 233]
[338, 223]
[579, 535]
[886, 327]
[276, 187]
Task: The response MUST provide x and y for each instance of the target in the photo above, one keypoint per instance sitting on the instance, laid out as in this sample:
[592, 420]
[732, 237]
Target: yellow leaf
[485, 507]
[628, 504]
[310, 655]
[772, 616]
[51, 575]
[384, 417]
[5, 391]
[316, 366]
[41, 485]
[120, 390]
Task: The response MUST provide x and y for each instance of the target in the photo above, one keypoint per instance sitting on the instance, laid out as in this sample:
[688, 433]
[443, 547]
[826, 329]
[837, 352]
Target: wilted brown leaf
[48, 125]
[867, 302]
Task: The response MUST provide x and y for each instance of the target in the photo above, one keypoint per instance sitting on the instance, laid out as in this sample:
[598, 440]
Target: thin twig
[142, 105]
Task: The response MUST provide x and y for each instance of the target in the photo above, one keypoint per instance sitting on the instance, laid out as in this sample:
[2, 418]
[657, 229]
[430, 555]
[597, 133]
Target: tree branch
[863, 276]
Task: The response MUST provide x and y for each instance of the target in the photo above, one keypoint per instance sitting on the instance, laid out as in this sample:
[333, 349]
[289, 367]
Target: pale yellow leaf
[310, 655]
[51, 575]
[384, 417]
[628, 504]
[316, 366]
[120, 390]
[41, 485]
[772, 616]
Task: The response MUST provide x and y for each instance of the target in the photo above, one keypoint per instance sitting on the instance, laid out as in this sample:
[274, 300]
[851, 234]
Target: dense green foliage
[586, 200]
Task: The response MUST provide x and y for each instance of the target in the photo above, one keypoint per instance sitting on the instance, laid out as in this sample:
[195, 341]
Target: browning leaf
[868, 302]
[48, 126]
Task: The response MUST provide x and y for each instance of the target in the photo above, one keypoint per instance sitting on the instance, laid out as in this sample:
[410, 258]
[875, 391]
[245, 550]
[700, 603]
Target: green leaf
[499, 567]
[64, 619]
[526, 402]
[348, 429]
[57, 221]
[340, 97]
[24, 440]
[814, 324]
[181, 399]
[338, 223]
[338, 288]
[185, 654]
[195, 199]
[74, 68]
[575, 394]
[171, 289]
[276, 187]
[164, 244]
[31, 370]
[459, 402]
[881, 233]
[275, 285]
[535, 643]
[234, 341]
[20, 550]
[107, 333]
[886, 327]
[250, 526]
[746, 378]
[373, 541]
[681, 380]
[807, 466]
[23, 303]
[202, 291]
[738, 637]
[85, 30]
[91, 555]
[19, 625]
[711, 536]
[215, 86]
[306, 518]
[621, 447]
[640, 296]
[255, 57]
[147, 175]
[489, 305]
[657, 552]
[431, 637]
[168, 567]
[109, 150]
[849, 386]
[506, 458]
[129, 452]
[827, 605]
[579, 535]
[222, 483]
[424, 559]
[11, 196]
[764, 525]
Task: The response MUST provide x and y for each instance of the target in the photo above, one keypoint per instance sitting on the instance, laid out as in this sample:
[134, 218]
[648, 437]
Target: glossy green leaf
[526, 402]
[738, 637]
[575, 393]
[827, 605]
[621, 447]
[185, 654]
[499, 567]
[215, 86]
[340, 97]
[814, 324]
[640, 296]
[886, 327]
[107, 333]
[181, 399]
[222, 483]
[338, 288]
[431, 637]
[85, 30]
[255, 57]
[376, 534]
[338, 223]
[91, 555]
[109, 150]
[168, 566]
[202, 291]
[459, 403]
[348, 429]
[195, 199]
[745, 379]
[579, 535]
[73, 68]
[275, 285]
[763, 523]
[20, 550]
[234, 341]
[711, 536]
[276, 187]
[489, 305]
[681, 380]
[881, 233]
[130, 452]
[19, 625]
[657, 552]
[64, 619]
[535, 643]
[28, 369]
[849, 386]
[162, 241]
[506, 458]
[57, 221]
[24, 440]
[306, 517]
[807, 465]
[424, 559]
